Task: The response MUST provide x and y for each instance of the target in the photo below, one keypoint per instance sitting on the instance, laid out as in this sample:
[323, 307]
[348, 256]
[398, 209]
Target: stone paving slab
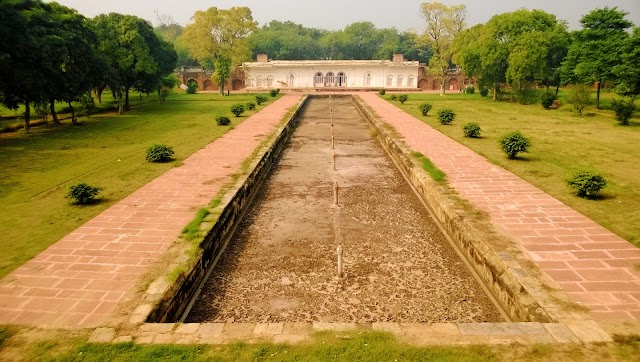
[415, 333]
[81, 280]
[591, 264]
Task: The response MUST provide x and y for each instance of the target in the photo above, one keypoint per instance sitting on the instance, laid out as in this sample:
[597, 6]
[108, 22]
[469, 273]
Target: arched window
[291, 80]
[410, 81]
[270, 81]
[342, 79]
[248, 82]
[367, 79]
[259, 81]
[329, 79]
[389, 80]
[400, 82]
[318, 79]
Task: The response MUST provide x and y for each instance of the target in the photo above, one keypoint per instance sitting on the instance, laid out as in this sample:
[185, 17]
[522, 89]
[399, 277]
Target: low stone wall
[498, 277]
[177, 297]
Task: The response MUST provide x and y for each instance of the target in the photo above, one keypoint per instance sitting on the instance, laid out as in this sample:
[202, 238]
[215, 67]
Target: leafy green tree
[444, 23]
[218, 33]
[597, 49]
[287, 41]
[627, 74]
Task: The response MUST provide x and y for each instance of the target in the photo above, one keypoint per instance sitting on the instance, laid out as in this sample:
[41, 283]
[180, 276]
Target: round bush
[159, 153]
[546, 98]
[274, 92]
[471, 130]
[470, 90]
[587, 184]
[425, 108]
[484, 92]
[82, 193]
[514, 143]
[382, 91]
[393, 97]
[446, 116]
[624, 110]
[251, 106]
[260, 99]
[237, 109]
[223, 121]
[403, 98]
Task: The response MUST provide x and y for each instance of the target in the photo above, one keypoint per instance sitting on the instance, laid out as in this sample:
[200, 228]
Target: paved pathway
[81, 279]
[594, 266]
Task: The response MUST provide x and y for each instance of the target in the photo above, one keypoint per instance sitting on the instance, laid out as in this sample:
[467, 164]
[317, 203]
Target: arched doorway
[192, 83]
[342, 79]
[367, 79]
[207, 85]
[453, 84]
[318, 80]
[259, 82]
[236, 84]
[410, 81]
[423, 84]
[330, 79]
[435, 85]
[400, 81]
[291, 81]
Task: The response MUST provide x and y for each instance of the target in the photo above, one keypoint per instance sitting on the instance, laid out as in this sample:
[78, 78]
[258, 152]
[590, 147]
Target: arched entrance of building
[291, 81]
[330, 79]
[236, 84]
[192, 83]
[342, 79]
[208, 85]
[453, 84]
[423, 84]
[318, 80]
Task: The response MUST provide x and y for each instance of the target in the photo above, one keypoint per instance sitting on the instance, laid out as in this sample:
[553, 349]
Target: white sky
[336, 14]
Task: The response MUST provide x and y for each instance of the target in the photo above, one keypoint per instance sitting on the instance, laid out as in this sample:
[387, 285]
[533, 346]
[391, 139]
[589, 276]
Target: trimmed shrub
[159, 153]
[526, 94]
[393, 97]
[82, 193]
[260, 99]
[274, 92]
[470, 90]
[446, 116]
[624, 110]
[587, 184]
[382, 91]
[403, 98]
[425, 108]
[484, 92]
[223, 121]
[546, 98]
[471, 130]
[514, 143]
[251, 106]
[192, 87]
[579, 97]
[237, 109]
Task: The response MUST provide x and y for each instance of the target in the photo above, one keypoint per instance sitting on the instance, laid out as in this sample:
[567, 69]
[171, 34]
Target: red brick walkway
[594, 266]
[81, 279]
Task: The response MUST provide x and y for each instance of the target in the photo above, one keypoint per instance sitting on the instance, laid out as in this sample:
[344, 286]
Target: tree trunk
[495, 92]
[598, 84]
[74, 120]
[99, 90]
[27, 116]
[442, 90]
[119, 98]
[221, 88]
[557, 88]
[127, 106]
[52, 109]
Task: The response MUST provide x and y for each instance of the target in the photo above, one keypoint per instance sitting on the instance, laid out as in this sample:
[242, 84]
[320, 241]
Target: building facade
[332, 74]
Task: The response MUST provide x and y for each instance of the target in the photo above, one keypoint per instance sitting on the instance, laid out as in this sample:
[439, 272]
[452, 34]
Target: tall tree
[286, 41]
[627, 76]
[218, 33]
[443, 25]
[598, 48]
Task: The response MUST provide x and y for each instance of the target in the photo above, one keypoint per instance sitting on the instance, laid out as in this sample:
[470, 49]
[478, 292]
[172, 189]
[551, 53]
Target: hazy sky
[336, 14]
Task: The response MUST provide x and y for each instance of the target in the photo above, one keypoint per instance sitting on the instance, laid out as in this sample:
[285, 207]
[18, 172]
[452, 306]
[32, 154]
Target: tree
[597, 49]
[519, 48]
[627, 76]
[443, 25]
[134, 53]
[286, 41]
[217, 33]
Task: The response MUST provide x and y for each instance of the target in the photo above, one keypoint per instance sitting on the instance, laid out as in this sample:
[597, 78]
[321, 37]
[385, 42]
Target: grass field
[352, 347]
[562, 144]
[107, 151]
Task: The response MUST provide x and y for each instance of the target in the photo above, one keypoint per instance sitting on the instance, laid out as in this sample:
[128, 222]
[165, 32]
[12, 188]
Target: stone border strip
[413, 333]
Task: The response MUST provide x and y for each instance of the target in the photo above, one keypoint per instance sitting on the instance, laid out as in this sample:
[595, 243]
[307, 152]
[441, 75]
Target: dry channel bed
[281, 264]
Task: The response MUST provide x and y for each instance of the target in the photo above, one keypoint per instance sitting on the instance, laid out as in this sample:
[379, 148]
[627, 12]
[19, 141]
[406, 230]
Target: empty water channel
[281, 264]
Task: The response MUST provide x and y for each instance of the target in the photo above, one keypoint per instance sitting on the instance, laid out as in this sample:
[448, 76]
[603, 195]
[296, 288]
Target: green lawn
[562, 144]
[107, 151]
[346, 346]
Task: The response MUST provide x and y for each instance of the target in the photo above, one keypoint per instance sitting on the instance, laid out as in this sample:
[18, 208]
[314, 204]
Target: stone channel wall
[177, 298]
[500, 279]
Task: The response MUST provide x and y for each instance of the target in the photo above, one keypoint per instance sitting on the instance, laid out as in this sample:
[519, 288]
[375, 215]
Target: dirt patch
[280, 265]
